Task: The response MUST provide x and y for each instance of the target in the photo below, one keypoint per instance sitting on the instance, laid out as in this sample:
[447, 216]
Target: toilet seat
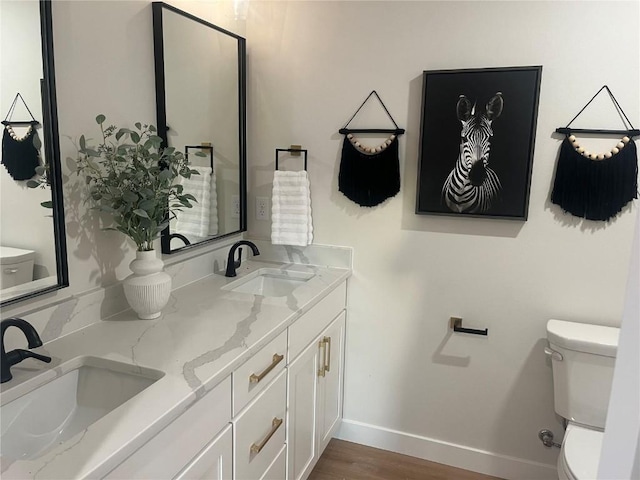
[580, 453]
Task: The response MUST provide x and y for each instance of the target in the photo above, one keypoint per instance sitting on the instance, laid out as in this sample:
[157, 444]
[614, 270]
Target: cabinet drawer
[253, 376]
[309, 325]
[174, 447]
[260, 431]
[278, 469]
[214, 462]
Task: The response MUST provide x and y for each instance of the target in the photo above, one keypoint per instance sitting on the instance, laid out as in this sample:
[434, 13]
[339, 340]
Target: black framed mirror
[200, 72]
[32, 231]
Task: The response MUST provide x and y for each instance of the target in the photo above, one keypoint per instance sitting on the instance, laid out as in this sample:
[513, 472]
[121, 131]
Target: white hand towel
[195, 220]
[213, 213]
[291, 209]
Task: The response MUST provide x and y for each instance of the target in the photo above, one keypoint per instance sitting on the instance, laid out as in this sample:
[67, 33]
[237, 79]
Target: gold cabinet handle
[253, 378]
[327, 356]
[275, 424]
[322, 344]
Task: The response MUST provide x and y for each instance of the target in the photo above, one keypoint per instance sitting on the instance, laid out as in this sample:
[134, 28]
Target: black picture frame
[493, 129]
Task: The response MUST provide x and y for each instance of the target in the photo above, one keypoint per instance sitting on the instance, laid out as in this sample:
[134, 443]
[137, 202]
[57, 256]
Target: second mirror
[200, 96]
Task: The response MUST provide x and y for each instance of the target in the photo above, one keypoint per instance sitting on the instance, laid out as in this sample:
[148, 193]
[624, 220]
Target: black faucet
[232, 263]
[7, 360]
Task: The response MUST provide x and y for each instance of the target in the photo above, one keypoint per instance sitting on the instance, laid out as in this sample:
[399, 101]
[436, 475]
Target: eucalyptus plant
[133, 179]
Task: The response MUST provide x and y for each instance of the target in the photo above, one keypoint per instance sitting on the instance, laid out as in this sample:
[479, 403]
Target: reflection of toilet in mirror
[17, 266]
[583, 359]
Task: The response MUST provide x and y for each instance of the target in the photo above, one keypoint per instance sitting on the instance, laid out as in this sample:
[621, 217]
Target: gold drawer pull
[327, 357]
[322, 344]
[253, 378]
[275, 424]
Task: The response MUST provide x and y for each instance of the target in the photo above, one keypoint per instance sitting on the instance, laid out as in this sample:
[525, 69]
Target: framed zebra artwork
[476, 141]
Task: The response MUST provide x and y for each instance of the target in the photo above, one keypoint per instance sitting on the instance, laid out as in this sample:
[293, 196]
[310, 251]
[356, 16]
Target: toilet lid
[581, 450]
[10, 255]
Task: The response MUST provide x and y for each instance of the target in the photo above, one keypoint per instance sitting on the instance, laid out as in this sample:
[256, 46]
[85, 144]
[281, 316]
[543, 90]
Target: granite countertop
[203, 334]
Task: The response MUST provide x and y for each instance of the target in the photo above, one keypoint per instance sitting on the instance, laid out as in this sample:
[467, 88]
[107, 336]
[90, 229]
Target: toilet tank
[583, 370]
[17, 266]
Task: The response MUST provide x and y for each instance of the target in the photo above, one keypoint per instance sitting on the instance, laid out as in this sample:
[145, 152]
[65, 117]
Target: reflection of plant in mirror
[43, 180]
[133, 179]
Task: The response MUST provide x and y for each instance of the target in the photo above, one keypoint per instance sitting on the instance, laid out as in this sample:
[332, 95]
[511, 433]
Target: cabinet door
[302, 395]
[330, 386]
[214, 462]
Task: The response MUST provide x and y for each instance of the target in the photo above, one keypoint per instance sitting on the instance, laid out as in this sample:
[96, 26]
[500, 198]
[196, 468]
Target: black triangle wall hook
[7, 120]
[630, 131]
[396, 131]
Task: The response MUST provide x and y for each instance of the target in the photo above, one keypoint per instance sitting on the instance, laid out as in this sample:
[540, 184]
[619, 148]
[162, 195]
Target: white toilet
[17, 266]
[583, 358]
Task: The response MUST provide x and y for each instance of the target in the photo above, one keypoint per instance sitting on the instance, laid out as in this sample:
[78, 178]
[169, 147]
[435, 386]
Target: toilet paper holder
[456, 324]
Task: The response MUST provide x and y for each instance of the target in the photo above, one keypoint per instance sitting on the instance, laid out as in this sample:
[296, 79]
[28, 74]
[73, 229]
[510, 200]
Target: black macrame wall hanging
[596, 186]
[20, 155]
[369, 175]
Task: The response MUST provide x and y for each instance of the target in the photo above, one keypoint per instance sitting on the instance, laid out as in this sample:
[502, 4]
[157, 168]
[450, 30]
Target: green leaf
[141, 213]
[147, 205]
[120, 133]
[32, 184]
[83, 142]
[135, 137]
[36, 142]
[47, 204]
[138, 125]
[107, 209]
[129, 196]
[100, 119]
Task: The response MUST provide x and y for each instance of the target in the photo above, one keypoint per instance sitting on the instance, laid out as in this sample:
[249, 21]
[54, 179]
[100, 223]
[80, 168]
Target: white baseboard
[489, 463]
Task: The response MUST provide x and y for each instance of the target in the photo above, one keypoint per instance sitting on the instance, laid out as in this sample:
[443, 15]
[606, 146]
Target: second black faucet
[232, 263]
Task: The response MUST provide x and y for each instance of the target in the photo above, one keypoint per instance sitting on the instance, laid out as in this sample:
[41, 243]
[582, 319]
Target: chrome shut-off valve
[546, 436]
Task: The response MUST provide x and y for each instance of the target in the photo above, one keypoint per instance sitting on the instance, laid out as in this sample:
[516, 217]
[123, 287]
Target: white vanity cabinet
[315, 383]
[269, 420]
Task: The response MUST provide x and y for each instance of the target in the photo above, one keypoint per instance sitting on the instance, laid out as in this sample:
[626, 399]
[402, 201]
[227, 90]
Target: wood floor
[349, 461]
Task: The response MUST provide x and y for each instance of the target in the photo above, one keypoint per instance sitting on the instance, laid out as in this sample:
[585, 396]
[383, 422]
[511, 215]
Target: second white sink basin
[56, 411]
[270, 282]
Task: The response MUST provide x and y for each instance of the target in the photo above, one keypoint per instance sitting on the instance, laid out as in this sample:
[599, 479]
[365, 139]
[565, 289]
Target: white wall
[410, 384]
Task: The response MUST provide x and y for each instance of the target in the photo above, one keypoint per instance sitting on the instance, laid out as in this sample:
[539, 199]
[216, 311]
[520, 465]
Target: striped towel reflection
[291, 209]
[213, 211]
[195, 221]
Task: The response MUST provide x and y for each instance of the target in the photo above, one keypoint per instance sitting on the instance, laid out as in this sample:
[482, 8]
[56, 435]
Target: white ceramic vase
[149, 287]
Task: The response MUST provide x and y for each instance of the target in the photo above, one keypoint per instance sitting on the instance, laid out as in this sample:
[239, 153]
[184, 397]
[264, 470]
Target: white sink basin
[54, 412]
[270, 282]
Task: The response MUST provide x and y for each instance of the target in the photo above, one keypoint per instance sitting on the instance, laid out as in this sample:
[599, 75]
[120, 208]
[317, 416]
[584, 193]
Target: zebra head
[476, 134]
[472, 186]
